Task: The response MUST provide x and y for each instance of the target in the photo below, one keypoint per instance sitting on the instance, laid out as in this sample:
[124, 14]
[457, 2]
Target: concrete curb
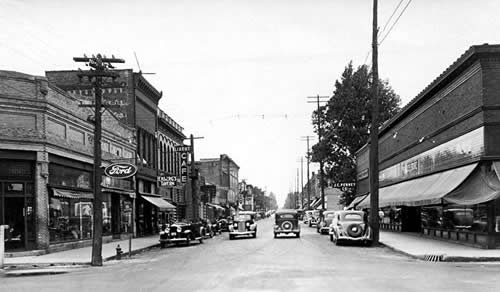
[445, 258]
[30, 269]
[417, 257]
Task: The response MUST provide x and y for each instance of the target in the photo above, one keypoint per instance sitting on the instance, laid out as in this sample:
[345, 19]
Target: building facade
[223, 173]
[134, 101]
[46, 173]
[170, 135]
[439, 158]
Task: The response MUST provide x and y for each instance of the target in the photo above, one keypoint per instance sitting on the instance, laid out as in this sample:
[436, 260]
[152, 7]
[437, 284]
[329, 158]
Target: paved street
[311, 263]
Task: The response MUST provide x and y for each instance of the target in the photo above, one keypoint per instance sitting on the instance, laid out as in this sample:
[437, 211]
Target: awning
[315, 203]
[426, 190]
[482, 186]
[356, 201]
[131, 194]
[72, 194]
[159, 202]
[215, 206]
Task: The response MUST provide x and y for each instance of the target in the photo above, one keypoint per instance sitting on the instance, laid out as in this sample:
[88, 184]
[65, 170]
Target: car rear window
[286, 216]
[353, 217]
[330, 215]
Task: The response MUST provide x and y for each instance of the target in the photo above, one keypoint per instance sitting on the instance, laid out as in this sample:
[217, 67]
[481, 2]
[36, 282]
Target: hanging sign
[184, 167]
[120, 170]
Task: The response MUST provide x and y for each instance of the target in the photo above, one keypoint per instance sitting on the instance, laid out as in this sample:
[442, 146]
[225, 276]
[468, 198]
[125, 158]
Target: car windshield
[329, 215]
[242, 217]
[353, 217]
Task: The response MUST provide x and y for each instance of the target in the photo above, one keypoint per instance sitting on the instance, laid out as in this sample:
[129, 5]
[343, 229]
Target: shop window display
[126, 216]
[456, 217]
[70, 219]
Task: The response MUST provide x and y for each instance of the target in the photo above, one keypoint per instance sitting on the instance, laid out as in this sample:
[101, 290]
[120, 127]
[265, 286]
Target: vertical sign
[184, 167]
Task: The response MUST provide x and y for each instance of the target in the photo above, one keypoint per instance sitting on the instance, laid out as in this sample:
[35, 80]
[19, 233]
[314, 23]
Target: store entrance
[16, 211]
[13, 216]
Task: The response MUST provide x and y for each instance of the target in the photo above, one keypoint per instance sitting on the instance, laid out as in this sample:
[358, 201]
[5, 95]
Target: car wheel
[188, 241]
[231, 237]
[255, 234]
[331, 237]
[298, 235]
[310, 225]
[275, 235]
[201, 240]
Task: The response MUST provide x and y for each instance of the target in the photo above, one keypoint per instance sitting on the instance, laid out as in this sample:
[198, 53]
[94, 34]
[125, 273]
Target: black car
[286, 222]
[182, 232]
[243, 224]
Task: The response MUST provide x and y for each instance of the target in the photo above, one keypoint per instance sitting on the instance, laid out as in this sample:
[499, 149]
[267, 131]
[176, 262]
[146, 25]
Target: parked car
[286, 222]
[182, 232]
[243, 224]
[350, 226]
[223, 225]
[313, 217]
[323, 227]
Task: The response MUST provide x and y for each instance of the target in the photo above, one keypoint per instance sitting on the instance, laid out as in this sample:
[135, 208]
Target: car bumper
[287, 231]
[323, 229]
[242, 232]
[349, 238]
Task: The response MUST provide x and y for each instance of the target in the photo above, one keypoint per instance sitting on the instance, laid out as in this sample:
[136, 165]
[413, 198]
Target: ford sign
[120, 170]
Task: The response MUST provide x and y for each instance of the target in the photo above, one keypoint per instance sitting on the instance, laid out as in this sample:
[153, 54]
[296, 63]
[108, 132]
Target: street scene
[249, 145]
[308, 263]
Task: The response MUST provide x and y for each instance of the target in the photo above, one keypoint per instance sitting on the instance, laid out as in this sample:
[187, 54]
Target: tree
[346, 120]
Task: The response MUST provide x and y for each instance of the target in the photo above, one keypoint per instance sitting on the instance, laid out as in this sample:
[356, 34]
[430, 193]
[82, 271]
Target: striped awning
[71, 194]
[159, 202]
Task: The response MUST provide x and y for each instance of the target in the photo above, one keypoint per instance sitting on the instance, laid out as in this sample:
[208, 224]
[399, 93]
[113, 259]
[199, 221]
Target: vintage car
[312, 217]
[286, 222]
[350, 226]
[182, 232]
[243, 224]
[323, 227]
[223, 224]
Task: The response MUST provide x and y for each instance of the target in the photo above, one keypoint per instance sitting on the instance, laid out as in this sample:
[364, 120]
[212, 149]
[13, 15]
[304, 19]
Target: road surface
[311, 263]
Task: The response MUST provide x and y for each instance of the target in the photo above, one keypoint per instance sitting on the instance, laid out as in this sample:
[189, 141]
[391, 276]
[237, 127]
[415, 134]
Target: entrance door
[14, 213]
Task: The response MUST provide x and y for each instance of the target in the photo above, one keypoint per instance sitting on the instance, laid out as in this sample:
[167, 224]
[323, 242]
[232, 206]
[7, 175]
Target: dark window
[69, 177]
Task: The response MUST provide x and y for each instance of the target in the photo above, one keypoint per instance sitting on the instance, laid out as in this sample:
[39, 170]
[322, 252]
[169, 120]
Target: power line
[389, 19]
[394, 23]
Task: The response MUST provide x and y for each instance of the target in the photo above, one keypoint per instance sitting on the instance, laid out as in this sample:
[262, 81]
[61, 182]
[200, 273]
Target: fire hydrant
[119, 252]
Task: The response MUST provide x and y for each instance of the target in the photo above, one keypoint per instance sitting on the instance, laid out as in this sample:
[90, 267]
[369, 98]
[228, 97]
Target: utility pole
[194, 180]
[374, 183]
[298, 190]
[308, 156]
[320, 134]
[99, 69]
[302, 182]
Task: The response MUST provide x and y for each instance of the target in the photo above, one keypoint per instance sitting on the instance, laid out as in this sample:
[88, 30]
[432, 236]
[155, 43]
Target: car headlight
[179, 229]
[247, 224]
[167, 230]
[235, 225]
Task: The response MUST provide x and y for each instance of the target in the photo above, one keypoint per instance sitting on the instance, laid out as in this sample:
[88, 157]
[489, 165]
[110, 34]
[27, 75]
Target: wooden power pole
[374, 183]
[99, 69]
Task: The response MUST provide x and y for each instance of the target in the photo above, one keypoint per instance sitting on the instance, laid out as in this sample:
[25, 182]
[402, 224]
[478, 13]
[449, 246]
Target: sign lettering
[120, 170]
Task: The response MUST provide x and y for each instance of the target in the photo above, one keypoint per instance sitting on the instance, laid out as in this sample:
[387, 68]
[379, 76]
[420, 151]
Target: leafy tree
[346, 119]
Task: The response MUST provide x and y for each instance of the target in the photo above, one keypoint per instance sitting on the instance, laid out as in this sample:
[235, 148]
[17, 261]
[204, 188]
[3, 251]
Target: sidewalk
[82, 256]
[429, 249]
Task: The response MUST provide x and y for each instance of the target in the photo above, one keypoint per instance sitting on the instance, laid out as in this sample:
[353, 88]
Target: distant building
[223, 173]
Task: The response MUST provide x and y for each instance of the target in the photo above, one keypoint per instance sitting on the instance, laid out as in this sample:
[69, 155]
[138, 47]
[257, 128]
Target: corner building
[439, 157]
[46, 173]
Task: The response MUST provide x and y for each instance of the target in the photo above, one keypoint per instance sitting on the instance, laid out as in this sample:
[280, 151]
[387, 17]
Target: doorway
[14, 217]
[17, 211]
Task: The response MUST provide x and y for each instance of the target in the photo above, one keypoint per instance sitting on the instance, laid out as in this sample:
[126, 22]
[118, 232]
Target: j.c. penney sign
[120, 170]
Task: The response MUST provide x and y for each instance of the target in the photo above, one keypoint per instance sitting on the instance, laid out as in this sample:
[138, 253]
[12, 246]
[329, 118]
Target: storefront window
[106, 214]
[69, 177]
[70, 219]
[456, 217]
[126, 216]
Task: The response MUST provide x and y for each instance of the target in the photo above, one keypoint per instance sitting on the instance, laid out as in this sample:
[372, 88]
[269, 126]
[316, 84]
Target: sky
[238, 72]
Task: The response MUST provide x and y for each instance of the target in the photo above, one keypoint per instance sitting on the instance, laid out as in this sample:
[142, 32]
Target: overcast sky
[238, 71]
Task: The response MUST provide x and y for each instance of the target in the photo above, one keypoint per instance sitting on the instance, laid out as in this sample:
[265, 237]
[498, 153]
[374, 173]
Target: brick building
[223, 173]
[46, 157]
[440, 156]
[170, 135]
[134, 101]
